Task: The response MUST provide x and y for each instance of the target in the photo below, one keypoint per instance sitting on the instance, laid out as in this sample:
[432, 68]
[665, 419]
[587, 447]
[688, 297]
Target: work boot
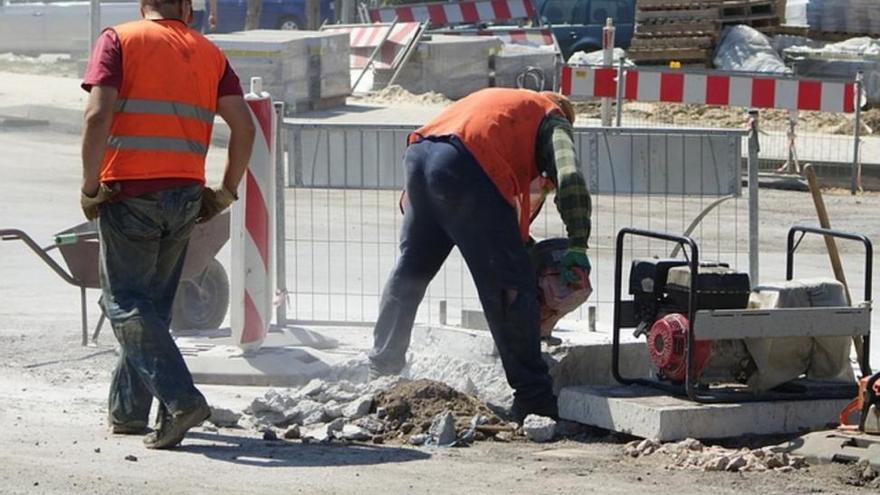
[171, 428]
[548, 409]
[377, 373]
[132, 428]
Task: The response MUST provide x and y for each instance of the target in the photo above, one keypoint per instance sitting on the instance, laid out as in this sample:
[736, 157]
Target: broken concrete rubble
[224, 418]
[539, 428]
[442, 430]
[692, 454]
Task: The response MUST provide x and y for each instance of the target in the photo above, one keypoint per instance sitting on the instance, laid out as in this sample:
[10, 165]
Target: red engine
[667, 340]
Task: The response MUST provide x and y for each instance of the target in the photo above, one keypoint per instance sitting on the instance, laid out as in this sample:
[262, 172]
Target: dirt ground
[53, 437]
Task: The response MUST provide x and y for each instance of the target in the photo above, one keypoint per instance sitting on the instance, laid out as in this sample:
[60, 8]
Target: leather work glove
[574, 258]
[214, 201]
[90, 204]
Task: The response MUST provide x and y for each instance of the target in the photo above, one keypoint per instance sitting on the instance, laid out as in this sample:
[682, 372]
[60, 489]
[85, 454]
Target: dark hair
[158, 4]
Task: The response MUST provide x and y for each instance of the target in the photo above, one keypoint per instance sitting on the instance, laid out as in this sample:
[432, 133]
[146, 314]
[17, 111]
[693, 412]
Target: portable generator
[713, 337]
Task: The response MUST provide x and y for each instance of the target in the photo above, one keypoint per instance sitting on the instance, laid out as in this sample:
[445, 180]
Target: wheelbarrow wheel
[201, 302]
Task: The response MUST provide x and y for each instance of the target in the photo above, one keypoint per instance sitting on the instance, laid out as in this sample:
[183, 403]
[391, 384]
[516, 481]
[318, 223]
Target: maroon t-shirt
[105, 69]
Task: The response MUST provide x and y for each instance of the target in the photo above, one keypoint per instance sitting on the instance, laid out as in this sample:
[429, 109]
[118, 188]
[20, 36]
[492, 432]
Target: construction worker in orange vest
[470, 173]
[154, 88]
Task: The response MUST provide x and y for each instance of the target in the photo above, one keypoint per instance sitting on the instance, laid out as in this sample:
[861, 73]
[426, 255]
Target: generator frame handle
[693, 265]
[791, 247]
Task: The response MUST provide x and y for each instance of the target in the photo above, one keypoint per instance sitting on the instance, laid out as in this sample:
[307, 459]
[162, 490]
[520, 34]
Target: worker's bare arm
[96, 130]
[235, 112]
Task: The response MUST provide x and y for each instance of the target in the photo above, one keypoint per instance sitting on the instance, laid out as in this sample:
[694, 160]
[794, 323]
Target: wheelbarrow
[202, 298]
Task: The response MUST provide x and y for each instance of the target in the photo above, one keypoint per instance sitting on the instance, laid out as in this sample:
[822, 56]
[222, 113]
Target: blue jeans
[452, 202]
[143, 245]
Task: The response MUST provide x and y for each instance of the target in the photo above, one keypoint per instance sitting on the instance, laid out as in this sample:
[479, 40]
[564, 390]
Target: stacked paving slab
[308, 70]
[686, 30]
[453, 66]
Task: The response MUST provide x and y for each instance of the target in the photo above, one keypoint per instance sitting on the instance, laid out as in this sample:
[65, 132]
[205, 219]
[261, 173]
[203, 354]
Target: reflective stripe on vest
[148, 143]
[163, 118]
[159, 107]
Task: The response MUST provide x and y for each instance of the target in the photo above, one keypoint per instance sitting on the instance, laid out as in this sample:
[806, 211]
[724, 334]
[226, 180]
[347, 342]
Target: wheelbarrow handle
[15, 234]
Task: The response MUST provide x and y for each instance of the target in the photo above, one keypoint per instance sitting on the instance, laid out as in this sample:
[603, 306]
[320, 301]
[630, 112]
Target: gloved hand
[214, 201]
[90, 204]
[574, 258]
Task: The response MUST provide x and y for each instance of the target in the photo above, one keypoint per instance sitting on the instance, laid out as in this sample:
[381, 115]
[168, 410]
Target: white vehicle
[56, 27]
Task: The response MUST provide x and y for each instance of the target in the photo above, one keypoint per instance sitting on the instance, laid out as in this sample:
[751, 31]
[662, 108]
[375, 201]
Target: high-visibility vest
[165, 110]
[499, 126]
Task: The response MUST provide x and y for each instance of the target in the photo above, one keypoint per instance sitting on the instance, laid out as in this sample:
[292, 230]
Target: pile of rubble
[862, 474]
[691, 454]
[394, 410]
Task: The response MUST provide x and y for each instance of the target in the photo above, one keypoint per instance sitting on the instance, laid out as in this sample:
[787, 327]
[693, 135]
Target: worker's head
[167, 9]
[562, 102]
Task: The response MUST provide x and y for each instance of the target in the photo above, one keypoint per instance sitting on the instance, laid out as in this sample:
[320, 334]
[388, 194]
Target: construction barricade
[253, 230]
[379, 46]
[442, 14]
[803, 119]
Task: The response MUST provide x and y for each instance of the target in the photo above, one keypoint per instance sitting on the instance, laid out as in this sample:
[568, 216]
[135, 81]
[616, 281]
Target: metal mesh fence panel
[343, 216]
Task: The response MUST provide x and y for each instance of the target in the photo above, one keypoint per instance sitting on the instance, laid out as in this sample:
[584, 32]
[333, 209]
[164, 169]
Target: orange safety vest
[499, 126]
[165, 110]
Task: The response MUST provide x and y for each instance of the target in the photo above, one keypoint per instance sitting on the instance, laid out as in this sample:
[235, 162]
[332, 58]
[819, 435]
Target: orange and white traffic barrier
[364, 38]
[708, 88]
[253, 230]
[442, 14]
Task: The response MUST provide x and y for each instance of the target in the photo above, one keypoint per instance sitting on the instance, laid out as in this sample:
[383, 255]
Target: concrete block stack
[454, 66]
[513, 60]
[306, 69]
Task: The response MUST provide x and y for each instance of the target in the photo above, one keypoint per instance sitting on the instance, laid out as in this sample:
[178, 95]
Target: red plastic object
[667, 340]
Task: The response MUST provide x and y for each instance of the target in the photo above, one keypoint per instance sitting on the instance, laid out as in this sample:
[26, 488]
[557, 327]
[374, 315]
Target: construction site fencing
[343, 219]
[826, 135]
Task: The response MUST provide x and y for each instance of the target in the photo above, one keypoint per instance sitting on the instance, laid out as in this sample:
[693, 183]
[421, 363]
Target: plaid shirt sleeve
[557, 158]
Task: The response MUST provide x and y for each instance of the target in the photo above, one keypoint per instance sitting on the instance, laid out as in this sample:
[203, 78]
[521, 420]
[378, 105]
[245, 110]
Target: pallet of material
[641, 44]
[662, 57]
[676, 29]
[759, 14]
[645, 5]
[678, 15]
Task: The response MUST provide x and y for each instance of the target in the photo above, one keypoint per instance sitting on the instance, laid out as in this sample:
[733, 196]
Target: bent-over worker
[469, 173]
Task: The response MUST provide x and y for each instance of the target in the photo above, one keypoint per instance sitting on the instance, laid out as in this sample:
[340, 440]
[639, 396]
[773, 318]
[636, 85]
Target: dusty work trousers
[143, 245]
[452, 202]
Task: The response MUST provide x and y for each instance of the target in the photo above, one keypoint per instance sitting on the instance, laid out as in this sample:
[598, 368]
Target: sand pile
[395, 94]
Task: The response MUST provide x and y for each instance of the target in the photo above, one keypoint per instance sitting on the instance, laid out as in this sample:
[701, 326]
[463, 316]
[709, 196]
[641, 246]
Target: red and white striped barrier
[453, 13]
[363, 39]
[253, 230]
[723, 89]
[515, 36]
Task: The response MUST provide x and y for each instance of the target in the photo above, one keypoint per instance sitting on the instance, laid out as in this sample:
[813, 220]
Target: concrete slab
[646, 413]
[825, 447]
[290, 356]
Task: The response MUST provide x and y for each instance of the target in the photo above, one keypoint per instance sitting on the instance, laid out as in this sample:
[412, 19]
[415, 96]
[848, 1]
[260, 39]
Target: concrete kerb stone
[646, 413]
[825, 447]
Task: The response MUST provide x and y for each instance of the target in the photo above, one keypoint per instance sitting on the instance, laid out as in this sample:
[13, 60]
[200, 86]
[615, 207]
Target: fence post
[94, 23]
[280, 234]
[607, 61]
[619, 96]
[855, 179]
[754, 149]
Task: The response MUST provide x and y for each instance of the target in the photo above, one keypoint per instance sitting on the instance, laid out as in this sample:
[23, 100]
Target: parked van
[577, 24]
